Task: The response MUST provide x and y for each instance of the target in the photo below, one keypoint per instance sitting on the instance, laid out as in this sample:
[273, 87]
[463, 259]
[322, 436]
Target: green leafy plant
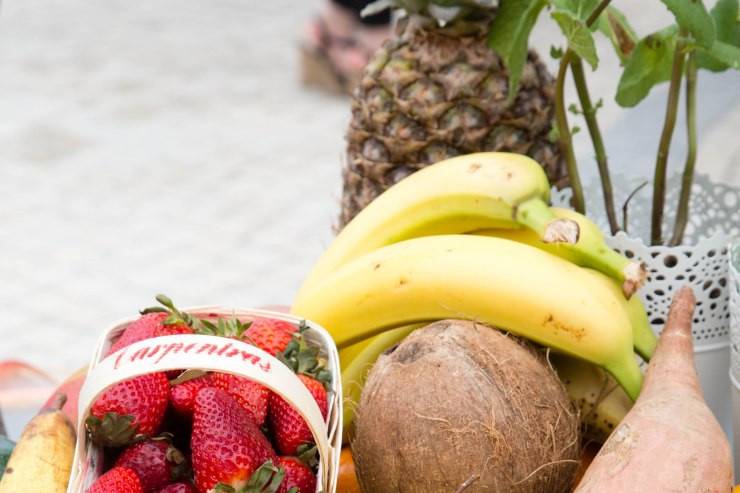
[699, 39]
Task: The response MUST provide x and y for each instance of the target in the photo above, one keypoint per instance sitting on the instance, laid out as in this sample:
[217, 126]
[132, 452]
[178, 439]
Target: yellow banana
[602, 403]
[643, 337]
[460, 195]
[599, 255]
[42, 460]
[642, 333]
[498, 282]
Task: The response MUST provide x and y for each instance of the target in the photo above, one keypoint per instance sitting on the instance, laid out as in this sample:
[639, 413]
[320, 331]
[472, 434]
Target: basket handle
[209, 353]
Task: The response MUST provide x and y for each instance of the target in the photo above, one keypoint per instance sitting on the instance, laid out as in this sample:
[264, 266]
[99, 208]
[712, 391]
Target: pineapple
[437, 90]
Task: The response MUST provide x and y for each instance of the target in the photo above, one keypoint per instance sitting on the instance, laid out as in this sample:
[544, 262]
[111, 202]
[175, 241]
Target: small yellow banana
[602, 403]
[599, 255]
[42, 460]
[498, 282]
[356, 366]
[644, 338]
[460, 195]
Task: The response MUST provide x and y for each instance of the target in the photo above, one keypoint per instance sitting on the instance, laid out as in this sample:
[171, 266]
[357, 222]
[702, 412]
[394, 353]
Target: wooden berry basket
[213, 353]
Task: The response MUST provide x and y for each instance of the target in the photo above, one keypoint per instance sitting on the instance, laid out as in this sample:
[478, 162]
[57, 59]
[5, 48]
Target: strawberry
[299, 478]
[227, 446]
[132, 407]
[182, 395]
[155, 322]
[289, 429]
[270, 335]
[251, 396]
[117, 480]
[179, 488]
[155, 461]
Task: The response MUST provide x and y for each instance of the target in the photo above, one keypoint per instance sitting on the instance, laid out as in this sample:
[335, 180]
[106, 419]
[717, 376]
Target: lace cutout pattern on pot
[735, 309]
[700, 262]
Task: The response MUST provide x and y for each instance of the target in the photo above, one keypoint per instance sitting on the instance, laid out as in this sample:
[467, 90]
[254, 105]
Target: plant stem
[597, 12]
[661, 163]
[589, 114]
[566, 140]
[561, 118]
[682, 214]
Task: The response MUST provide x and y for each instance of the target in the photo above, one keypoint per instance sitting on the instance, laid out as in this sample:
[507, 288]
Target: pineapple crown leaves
[114, 430]
[443, 11]
[233, 327]
[175, 315]
[303, 358]
[266, 479]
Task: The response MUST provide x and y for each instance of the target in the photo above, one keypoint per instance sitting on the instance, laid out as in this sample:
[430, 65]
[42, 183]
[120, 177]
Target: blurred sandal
[335, 62]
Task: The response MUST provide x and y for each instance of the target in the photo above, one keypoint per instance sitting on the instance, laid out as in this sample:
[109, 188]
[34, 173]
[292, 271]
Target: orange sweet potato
[670, 440]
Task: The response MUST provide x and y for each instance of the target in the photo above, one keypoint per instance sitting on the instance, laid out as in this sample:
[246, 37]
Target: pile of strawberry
[195, 432]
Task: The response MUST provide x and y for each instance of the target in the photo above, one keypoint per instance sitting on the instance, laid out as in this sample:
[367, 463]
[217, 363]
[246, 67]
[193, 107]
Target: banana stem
[537, 216]
[682, 214]
[661, 163]
[589, 114]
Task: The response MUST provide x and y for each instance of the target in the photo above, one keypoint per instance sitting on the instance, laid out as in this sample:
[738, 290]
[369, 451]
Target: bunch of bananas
[473, 238]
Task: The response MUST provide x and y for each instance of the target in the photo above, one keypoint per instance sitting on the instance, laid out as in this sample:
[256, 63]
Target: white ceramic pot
[701, 261]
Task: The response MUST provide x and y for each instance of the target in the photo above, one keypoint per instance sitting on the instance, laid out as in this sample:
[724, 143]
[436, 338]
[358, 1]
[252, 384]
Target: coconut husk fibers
[460, 407]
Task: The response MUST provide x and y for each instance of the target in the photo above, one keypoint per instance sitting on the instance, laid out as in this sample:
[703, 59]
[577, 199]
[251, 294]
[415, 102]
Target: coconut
[461, 407]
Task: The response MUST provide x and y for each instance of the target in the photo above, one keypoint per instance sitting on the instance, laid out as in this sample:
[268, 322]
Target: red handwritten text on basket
[159, 352]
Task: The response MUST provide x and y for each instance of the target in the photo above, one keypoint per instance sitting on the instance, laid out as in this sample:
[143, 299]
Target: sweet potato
[670, 441]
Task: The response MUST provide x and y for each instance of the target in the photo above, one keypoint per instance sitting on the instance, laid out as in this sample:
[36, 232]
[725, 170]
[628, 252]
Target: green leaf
[692, 15]
[725, 15]
[726, 22]
[556, 52]
[509, 36]
[579, 36]
[580, 8]
[613, 24]
[649, 64]
[724, 54]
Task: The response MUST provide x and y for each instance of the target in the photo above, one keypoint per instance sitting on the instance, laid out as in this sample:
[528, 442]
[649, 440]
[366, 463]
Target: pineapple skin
[431, 93]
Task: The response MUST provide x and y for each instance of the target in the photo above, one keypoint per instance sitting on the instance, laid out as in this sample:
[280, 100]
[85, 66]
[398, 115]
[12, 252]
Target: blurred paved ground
[167, 147]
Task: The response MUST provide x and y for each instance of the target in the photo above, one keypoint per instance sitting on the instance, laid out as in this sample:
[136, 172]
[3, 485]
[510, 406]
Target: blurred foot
[337, 47]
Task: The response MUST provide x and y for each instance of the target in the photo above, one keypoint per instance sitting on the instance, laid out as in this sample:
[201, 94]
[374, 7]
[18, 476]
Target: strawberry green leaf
[114, 430]
[266, 479]
[509, 36]
[649, 64]
[692, 16]
[187, 375]
[175, 317]
[308, 454]
[578, 35]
